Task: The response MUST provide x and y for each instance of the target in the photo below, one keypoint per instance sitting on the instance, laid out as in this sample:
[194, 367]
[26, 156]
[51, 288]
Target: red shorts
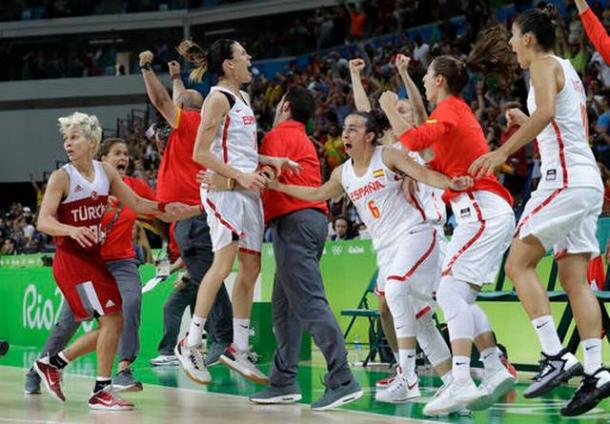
[88, 287]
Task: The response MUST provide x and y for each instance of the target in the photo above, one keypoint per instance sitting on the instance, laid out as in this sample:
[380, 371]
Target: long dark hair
[491, 55]
[541, 23]
[206, 61]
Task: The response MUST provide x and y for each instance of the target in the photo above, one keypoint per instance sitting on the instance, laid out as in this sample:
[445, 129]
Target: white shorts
[234, 215]
[485, 224]
[416, 261]
[563, 219]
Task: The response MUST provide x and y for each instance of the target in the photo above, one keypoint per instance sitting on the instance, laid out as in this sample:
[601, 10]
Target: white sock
[195, 331]
[461, 368]
[397, 357]
[592, 351]
[241, 333]
[407, 364]
[63, 357]
[447, 377]
[547, 334]
[491, 359]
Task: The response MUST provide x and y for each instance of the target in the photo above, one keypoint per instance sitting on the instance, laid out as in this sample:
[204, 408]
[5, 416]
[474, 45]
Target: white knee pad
[481, 322]
[431, 341]
[455, 297]
[402, 311]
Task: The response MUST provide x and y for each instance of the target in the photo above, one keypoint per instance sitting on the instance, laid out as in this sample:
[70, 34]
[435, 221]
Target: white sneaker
[399, 390]
[452, 397]
[191, 360]
[162, 360]
[240, 361]
[493, 386]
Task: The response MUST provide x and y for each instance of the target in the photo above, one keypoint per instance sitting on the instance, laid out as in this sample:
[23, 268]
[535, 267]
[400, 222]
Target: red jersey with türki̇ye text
[84, 206]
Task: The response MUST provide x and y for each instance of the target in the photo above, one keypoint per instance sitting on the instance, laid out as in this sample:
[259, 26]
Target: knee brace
[481, 322]
[431, 341]
[455, 297]
[402, 311]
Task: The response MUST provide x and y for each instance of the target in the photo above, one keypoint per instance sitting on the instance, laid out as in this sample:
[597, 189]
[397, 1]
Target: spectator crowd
[327, 76]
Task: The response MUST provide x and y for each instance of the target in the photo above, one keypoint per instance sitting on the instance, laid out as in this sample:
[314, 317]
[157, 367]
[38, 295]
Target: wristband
[161, 206]
[146, 66]
[176, 77]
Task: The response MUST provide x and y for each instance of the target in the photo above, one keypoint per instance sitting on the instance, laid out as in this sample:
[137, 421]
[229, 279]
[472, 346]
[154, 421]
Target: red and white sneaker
[387, 382]
[106, 400]
[509, 367]
[241, 361]
[51, 376]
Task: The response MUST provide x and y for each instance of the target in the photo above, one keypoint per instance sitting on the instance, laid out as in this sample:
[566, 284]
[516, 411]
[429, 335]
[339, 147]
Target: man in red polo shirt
[177, 180]
[299, 232]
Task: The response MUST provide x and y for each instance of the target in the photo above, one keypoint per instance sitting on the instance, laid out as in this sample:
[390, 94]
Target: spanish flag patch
[378, 173]
[430, 121]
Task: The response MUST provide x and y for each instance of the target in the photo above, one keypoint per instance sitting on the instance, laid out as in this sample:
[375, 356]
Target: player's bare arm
[215, 107]
[331, 188]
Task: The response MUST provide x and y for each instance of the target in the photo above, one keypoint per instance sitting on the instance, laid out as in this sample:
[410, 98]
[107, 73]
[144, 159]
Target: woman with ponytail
[561, 214]
[226, 144]
[484, 214]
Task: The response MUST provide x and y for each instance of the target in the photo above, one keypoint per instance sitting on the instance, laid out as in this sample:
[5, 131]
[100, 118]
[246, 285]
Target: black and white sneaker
[593, 389]
[554, 370]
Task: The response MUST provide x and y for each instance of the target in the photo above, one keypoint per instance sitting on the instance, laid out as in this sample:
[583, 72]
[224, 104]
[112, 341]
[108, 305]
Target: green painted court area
[163, 391]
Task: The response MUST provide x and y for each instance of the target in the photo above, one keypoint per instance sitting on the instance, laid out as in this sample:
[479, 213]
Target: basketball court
[169, 396]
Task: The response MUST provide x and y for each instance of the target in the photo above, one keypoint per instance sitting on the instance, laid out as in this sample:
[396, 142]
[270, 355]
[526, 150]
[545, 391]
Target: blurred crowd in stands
[327, 76]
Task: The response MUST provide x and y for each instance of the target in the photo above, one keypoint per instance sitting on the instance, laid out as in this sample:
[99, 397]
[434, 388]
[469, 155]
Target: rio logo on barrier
[41, 313]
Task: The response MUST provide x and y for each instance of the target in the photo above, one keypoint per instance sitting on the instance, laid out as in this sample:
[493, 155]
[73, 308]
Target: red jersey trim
[225, 137]
[417, 264]
[423, 312]
[537, 209]
[470, 242]
[419, 208]
[562, 153]
[221, 219]
[249, 251]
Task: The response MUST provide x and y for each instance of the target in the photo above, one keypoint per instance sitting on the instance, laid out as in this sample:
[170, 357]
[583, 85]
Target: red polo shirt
[289, 139]
[176, 181]
[456, 137]
[119, 223]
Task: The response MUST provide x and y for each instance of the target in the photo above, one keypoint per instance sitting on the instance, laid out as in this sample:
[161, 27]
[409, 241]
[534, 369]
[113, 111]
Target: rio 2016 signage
[40, 312]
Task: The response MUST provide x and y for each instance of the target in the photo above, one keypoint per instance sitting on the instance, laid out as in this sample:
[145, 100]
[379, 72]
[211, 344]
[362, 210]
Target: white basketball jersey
[380, 202]
[235, 143]
[566, 158]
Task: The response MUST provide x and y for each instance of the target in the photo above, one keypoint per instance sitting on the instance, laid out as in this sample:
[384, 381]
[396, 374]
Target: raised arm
[595, 30]
[215, 108]
[402, 65]
[387, 102]
[157, 93]
[57, 188]
[331, 188]
[177, 85]
[356, 66]
[399, 161]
